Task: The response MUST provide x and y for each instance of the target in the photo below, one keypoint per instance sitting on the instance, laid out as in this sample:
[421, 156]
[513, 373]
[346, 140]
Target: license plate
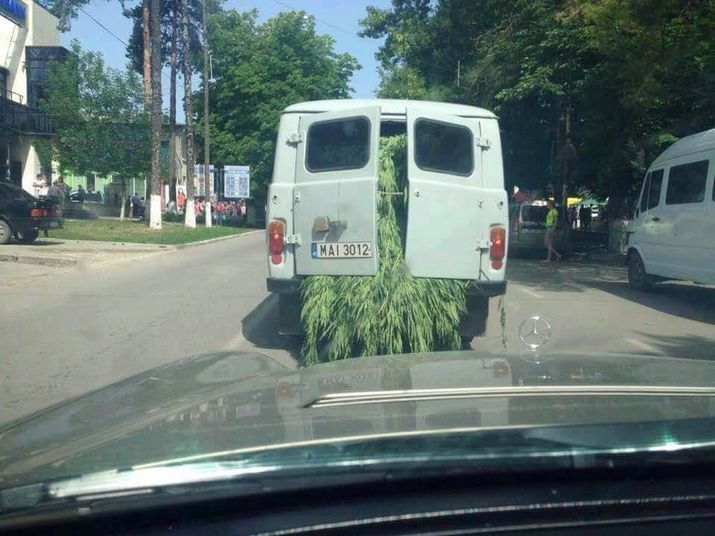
[341, 250]
[54, 224]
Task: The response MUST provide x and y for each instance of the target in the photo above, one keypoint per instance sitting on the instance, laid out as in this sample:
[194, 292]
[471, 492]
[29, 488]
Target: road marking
[529, 292]
[644, 346]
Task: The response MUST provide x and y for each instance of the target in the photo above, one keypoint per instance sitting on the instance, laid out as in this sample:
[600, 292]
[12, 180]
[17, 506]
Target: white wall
[13, 39]
[24, 152]
[43, 27]
[40, 30]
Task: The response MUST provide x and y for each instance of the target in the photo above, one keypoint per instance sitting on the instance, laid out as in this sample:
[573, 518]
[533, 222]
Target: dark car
[89, 197]
[22, 215]
[248, 438]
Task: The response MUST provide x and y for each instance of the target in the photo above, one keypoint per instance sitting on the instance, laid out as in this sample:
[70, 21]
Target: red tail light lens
[39, 213]
[497, 248]
[276, 240]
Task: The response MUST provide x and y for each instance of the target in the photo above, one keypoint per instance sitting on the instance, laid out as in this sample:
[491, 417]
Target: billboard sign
[237, 182]
[199, 183]
[15, 10]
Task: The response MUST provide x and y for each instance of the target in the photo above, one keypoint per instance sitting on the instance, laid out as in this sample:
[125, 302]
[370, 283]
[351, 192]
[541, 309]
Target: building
[29, 40]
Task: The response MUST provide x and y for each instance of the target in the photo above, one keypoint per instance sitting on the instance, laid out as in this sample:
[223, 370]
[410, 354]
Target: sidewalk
[60, 252]
[55, 252]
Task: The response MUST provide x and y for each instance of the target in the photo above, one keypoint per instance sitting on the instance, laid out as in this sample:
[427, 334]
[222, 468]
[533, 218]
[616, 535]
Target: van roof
[702, 141]
[389, 107]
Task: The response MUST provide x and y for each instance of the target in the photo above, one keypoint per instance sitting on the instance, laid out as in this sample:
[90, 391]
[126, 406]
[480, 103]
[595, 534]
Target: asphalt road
[64, 332]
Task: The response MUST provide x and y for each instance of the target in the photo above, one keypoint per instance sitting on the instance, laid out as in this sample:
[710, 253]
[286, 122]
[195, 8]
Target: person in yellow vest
[552, 222]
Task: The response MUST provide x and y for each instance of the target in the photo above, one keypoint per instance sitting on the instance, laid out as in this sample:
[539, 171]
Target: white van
[672, 235]
[321, 208]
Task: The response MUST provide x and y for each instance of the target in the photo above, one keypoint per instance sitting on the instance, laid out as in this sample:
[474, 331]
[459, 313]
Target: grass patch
[138, 232]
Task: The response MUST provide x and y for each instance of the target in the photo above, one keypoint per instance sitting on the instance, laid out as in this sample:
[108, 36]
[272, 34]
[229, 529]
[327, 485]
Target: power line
[353, 34]
[110, 32]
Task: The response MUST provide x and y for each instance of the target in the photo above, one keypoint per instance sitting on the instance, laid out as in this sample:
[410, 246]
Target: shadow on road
[563, 276]
[260, 327]
[687, 346]
[682, 300]
[38, 242]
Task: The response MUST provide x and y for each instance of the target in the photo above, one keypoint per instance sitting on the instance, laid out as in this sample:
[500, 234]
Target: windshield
[260, 225]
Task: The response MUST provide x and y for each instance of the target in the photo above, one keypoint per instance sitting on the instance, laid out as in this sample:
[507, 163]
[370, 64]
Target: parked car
[321, 210]
[89, 197]
[527, 229]
[23, 216]
[672, 234]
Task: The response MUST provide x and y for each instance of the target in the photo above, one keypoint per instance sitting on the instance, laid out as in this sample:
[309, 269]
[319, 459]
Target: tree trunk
[172, 103]
[207, 152]
[147, 54]
[155, 198]
[189, 214]
[124, 199]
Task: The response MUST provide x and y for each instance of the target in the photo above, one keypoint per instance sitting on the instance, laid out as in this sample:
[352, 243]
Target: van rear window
[686, 183]
[338, 145]
[443, 147]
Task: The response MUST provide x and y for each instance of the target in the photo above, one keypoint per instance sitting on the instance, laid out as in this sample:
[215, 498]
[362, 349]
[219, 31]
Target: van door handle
[655, 218]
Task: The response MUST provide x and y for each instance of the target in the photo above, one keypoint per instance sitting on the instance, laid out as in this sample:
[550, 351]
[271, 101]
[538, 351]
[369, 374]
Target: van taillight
[497, 247]
[276, 240]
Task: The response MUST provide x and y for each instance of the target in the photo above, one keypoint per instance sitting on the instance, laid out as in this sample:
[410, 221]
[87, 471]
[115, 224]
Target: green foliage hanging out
[391, 312]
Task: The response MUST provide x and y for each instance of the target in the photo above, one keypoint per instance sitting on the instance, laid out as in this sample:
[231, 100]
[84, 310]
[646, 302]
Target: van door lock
[294, 138]
[484, 143]
[293, 239]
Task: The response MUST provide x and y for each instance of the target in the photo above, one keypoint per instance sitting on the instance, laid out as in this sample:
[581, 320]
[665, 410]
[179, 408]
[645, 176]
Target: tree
[171, 54]
[626, 74]
[156, 118]
[258, 70]
[98, 117]
[189, 214]
[147, 60]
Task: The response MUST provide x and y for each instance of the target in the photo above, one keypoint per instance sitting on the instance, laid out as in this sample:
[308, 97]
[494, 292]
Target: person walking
[54, 194]
[552, 222]
[135, 206]
[80, 196]
[62, 185]
[181, 200]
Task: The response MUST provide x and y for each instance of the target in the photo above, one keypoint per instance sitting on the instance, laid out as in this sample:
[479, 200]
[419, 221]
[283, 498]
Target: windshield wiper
[423, 395]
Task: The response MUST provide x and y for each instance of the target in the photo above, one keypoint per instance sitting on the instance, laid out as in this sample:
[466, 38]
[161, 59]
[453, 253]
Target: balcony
[17, 117]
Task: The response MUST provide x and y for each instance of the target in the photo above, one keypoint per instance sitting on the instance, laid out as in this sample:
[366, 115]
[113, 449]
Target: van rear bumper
[284, 286]
[485, 289]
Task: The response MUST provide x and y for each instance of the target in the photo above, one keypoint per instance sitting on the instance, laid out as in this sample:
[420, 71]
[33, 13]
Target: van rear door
[334, 206]
[448, 210]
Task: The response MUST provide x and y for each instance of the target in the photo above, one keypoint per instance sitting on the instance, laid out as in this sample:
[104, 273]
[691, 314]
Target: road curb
[42, 261]
[64, 261]
[212, 240]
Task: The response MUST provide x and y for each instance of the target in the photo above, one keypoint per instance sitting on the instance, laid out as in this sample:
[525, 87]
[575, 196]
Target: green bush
[391, 312]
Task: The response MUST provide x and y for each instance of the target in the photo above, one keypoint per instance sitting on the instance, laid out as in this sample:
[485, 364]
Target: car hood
[248, 402]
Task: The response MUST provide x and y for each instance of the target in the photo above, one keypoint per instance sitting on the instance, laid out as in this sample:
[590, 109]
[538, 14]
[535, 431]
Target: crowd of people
[223, 212]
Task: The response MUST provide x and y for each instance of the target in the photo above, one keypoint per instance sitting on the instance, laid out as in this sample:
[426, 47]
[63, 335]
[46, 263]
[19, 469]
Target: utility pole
[207, 154]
